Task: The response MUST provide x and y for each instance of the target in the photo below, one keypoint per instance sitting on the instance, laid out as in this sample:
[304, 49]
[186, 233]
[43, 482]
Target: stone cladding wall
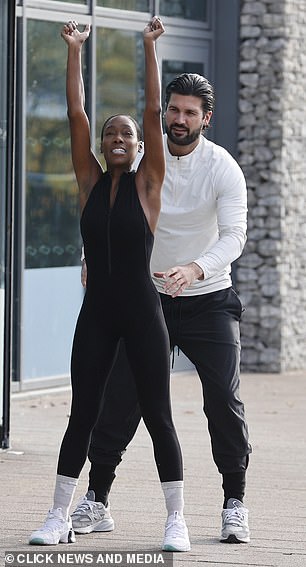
[271, 274]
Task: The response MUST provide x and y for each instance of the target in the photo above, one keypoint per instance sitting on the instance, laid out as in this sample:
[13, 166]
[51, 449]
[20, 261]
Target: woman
[119, 212]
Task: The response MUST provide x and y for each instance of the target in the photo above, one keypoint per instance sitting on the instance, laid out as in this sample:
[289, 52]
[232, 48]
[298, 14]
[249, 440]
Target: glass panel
[52, 208]
[136, 5]
[191, 10]
[172, 68]
[73, 1]
[3, 138]
[120, 74]
[3, 183]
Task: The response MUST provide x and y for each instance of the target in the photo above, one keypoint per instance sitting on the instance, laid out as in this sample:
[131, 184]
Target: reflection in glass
[3, 151]
[135, 5]
[75, 1]
[120, 72]
[52, 207]
[190, 10]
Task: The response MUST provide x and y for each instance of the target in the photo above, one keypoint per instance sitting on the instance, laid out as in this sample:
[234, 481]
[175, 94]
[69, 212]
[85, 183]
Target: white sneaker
[235, 528]
[90, 516]
[56, 529]
[176, 534]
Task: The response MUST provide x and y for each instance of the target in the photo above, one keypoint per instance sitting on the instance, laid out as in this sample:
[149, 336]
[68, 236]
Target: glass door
[51, 292]
[51, 287]
[179, 56]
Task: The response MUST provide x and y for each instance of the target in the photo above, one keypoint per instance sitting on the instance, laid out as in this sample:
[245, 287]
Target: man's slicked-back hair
[194, 85]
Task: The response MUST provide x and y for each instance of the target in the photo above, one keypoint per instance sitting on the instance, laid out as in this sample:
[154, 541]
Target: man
[201, 231]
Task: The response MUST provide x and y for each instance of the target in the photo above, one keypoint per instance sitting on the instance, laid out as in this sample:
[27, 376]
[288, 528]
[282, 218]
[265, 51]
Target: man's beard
[185, 140]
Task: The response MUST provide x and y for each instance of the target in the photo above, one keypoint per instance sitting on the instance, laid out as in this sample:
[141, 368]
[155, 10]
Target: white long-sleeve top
[203, 216]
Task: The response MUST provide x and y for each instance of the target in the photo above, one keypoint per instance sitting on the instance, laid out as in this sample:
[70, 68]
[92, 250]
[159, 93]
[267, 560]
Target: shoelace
[85, 504]
[88, 507]
[56, 522]
[235, 516]
[177, 526]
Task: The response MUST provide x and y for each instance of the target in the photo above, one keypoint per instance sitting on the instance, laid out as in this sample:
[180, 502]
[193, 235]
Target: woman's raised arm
[86, 166]
[152, 167]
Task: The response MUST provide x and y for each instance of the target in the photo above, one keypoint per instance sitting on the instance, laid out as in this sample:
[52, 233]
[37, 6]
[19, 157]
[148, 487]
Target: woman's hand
[153, 29]
[71, 34]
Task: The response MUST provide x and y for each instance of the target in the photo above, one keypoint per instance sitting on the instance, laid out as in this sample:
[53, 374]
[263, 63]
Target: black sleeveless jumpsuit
[120, 302]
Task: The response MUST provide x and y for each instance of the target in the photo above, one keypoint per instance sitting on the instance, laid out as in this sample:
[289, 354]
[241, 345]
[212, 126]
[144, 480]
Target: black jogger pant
[206, 329]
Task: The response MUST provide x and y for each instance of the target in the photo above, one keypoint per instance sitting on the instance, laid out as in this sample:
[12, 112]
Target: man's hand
[72, 35]
[180, 277]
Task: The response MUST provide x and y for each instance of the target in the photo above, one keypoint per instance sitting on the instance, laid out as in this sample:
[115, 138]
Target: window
[119, 84]
[52, 207]
[135, 5]
[74, 1]
[191, 10]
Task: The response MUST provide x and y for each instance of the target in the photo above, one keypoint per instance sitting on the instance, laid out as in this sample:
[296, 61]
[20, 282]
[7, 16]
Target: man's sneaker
[235, 528]
[90, 516]
[56, 529]
[176, 534]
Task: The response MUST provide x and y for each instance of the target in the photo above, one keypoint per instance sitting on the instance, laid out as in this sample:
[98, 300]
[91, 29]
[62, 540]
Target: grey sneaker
[56, 529]
[90, 516]
[235, 528]
[176, 534]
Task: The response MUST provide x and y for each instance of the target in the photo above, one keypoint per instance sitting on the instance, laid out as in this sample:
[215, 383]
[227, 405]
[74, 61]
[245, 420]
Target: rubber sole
[233, 539]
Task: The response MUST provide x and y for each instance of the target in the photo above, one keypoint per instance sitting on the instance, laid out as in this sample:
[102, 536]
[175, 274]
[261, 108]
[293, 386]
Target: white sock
[173, 492]
[63, 494]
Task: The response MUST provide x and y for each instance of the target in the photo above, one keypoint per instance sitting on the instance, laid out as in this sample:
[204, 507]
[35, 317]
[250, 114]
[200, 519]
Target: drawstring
[178, 354]
[172, 317]
[172, 363]
[179, 324]
[179, 302]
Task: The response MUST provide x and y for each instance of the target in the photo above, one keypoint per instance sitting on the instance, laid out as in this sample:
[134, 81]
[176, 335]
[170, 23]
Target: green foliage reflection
[52, 211]
[119, 75]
